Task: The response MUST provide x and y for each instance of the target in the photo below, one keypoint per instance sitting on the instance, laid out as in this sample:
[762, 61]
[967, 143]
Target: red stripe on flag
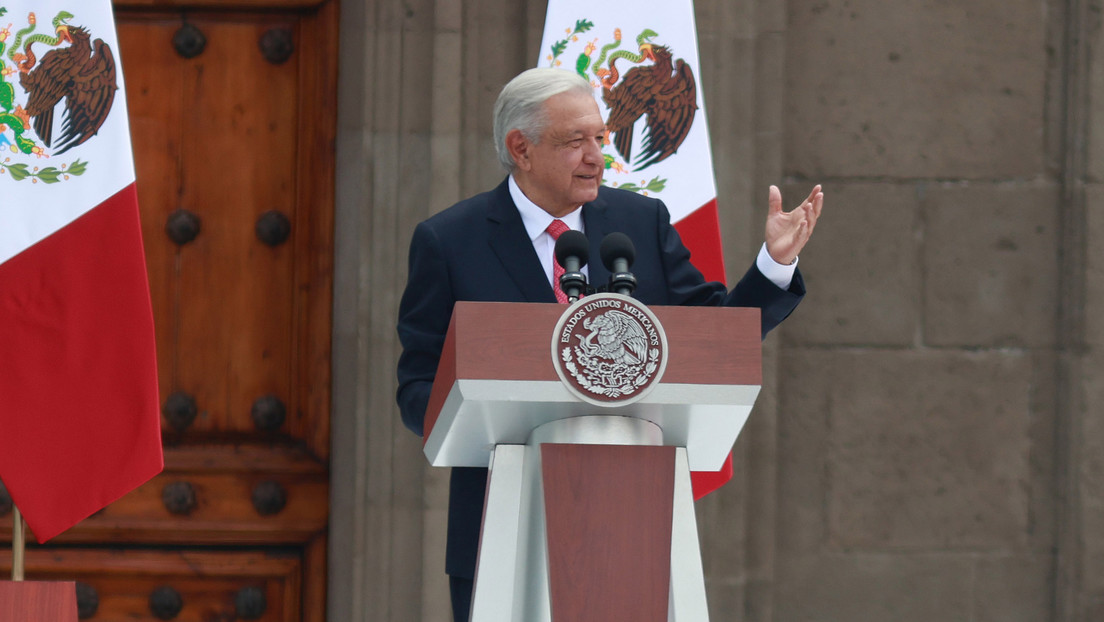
[705, 482]
[79, 422]
[701, 233]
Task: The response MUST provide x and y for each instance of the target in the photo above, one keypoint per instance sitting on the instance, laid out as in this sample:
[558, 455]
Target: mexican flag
[79, 422]
[642, 59]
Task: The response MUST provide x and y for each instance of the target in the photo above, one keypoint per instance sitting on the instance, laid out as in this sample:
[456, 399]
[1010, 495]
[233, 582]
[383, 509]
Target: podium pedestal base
[574, 531]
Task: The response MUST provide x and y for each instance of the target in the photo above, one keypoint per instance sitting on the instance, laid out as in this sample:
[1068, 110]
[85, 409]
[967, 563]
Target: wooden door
[232, 109]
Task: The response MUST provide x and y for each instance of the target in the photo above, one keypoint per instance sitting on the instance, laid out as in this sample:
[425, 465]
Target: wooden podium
[33, 601]
[38, 601]
[589, 512]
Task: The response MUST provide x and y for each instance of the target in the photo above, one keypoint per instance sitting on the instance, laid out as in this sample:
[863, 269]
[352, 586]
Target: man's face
[563, 170]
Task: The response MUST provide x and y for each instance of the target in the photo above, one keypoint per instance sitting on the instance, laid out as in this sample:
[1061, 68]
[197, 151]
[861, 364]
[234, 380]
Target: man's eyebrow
[569, 136]
[575, 134]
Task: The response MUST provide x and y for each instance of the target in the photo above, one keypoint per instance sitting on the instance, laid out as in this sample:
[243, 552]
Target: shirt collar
[535, 219]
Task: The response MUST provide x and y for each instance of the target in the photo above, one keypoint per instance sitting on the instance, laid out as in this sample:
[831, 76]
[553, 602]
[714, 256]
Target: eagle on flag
[665, 93]
[83, 74]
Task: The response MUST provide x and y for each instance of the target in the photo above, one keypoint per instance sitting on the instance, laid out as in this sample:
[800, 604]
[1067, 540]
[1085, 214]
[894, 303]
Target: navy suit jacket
[479, 250]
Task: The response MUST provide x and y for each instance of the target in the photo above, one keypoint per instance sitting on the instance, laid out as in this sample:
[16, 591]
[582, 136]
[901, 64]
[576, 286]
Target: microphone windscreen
[572, 243]
[617, 245]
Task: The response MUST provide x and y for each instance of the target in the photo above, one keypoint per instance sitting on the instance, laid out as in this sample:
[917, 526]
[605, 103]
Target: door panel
[223, 300]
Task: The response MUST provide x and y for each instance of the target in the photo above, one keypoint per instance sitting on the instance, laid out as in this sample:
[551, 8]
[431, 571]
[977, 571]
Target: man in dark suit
[496, 247]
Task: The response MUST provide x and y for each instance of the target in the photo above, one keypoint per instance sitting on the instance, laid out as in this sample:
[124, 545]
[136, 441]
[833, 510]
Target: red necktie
[555, 230]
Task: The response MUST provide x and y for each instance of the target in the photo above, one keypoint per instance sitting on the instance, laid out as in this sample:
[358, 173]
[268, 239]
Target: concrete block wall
[926, 446]
[1084, 331]
[925, 426]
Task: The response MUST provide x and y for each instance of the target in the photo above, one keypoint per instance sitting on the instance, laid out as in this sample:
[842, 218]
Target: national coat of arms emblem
[76, 71]
[609, 349]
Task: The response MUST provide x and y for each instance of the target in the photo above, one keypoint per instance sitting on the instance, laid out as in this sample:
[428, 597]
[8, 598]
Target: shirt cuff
[777, 273]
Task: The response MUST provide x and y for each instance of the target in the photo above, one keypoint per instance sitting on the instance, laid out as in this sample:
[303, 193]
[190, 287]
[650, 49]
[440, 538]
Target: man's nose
[593, 152]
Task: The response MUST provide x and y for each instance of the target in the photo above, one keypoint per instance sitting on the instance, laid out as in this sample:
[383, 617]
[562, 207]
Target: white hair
[520, 105]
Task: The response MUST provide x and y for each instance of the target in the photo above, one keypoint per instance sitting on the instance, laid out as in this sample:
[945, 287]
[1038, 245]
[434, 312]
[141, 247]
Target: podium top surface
[496, 381]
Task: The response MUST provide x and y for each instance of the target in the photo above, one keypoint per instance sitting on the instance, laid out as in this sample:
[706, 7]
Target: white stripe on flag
[581, 28]
[30, 208]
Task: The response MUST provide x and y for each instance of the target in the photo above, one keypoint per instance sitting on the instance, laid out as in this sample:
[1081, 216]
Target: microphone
[618, 254]
[572, 252]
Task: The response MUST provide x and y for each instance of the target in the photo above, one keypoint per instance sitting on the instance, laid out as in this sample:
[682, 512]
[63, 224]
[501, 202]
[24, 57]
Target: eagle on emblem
[665, 93]
[83, 74]
[620, 338]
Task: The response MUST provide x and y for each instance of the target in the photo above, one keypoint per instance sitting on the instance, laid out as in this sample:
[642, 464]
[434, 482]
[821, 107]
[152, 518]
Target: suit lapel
[511, 243]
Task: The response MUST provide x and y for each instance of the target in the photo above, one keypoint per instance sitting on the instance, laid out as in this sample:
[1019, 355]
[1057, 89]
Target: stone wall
[925, 446]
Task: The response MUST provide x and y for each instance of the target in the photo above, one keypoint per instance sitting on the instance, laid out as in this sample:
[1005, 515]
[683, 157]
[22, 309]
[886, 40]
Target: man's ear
[517, 145]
